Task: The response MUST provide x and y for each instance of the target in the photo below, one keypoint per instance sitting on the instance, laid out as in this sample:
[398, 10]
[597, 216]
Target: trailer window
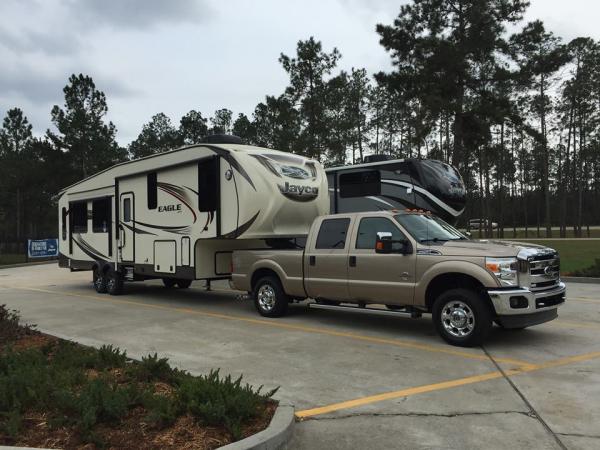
[127, 210]
[370, 226]
[332, 234]
[78, 212]
[152, 190]
[360, 184]
[208, 184]
[64, 223]
[101, 215]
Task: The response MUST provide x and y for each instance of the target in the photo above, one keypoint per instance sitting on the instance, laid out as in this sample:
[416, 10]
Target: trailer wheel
[169, 282]
[184, 284]
[114, 283]
[99, 281]
[462, 317]
[270, 299]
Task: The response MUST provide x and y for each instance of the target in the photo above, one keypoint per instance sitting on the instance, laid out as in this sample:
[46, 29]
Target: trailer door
[127, 228]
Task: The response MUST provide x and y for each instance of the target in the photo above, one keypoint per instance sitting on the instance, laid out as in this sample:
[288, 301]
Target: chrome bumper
[501, 299]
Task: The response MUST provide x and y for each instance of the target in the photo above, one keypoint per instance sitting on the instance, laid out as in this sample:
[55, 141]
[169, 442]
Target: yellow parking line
[287, 326]
[443, 385]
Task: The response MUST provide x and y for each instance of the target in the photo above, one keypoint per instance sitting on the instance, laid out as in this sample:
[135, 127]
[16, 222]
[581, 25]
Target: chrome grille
[544, 271]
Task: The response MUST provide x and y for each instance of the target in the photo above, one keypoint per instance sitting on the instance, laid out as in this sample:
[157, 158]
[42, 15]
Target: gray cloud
[139, 14]
[31, 41]
[40, 89]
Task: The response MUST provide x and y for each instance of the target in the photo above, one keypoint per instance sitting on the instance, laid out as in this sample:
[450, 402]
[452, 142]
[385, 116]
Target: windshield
[428, 228]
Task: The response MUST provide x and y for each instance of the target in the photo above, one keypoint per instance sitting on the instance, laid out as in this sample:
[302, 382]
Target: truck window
[370, 226]
[360, 184]
[332, 234]
[101, 215]
[152, 190]
[78, 212]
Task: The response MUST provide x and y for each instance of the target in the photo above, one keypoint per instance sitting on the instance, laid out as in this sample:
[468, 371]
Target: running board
[413, 314]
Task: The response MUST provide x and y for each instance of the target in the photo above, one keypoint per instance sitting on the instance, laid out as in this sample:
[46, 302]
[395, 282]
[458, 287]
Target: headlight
[505, 269]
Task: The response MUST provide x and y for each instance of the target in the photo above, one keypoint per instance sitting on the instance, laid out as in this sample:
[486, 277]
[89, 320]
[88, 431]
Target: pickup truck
[412, 262]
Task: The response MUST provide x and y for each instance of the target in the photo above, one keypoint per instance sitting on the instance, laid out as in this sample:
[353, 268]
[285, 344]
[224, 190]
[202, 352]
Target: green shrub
[153, 368]
[109, 357]
[162, 410]
[216, 400]
[10, 329]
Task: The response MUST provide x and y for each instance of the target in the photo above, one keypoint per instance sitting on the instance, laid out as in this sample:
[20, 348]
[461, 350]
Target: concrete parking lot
[356, 380]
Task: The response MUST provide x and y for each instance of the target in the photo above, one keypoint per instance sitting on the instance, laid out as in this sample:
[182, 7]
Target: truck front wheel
[269, 298]
[462, 317]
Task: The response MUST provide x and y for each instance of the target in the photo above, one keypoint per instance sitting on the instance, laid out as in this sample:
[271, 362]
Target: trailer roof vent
[376, 158]
[222, 139]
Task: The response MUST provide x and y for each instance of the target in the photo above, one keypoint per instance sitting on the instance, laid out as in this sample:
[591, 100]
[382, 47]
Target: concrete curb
[581, 280]
[33, 263]
[274, 437]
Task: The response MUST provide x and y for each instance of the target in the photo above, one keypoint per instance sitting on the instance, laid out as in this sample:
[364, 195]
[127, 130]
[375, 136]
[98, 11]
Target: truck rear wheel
[462, 317]
[269, 298]
[99, 281]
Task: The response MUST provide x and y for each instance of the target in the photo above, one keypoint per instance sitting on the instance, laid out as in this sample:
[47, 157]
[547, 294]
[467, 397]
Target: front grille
[550, 301]
[543, 271]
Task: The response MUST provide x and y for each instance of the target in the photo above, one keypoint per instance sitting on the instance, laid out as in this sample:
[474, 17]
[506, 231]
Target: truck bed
[287, 263]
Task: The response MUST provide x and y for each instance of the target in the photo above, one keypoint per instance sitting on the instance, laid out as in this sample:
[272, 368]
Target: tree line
[518, 114]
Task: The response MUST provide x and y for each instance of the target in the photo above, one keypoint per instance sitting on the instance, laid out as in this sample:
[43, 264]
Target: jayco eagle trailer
[397, 184]
[178, 215]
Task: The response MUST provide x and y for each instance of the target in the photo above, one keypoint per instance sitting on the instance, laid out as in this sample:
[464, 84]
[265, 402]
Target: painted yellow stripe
[287, 326]
[443, 385]
[396, 394]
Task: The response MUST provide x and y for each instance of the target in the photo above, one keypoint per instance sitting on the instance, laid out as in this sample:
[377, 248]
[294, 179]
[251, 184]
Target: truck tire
[114, 283]
[99, 281]
[270, 299]
[462, 317]
[184, 284]
[169, 282]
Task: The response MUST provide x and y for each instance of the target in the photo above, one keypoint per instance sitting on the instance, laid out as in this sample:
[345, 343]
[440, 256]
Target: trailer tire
[114, 283]
[169, 282]
[462, 317]
[184, 284]
[99, 279]
[270, 299]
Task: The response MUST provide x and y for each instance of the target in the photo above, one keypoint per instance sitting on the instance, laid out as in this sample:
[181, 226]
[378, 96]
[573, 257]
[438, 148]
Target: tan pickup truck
[412, 262]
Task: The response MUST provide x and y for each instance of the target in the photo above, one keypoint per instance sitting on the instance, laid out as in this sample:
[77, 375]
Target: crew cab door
[326, 260]
[382, 278]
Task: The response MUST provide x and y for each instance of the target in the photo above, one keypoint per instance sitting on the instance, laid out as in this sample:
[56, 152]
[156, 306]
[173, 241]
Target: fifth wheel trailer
[179, 215]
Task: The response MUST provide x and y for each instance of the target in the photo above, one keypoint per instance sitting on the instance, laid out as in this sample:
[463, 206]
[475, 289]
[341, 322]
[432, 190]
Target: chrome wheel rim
[266, 297]
[458, 319]
[99, 282]
[111, 284]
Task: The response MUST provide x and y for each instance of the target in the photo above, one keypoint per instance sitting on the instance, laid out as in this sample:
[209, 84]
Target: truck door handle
[352, 261]
[312, 260]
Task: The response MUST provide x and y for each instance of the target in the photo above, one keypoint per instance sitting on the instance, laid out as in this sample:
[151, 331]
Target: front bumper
[522, 307]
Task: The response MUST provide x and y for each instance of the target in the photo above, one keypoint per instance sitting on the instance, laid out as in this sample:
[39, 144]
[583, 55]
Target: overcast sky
[150, 56]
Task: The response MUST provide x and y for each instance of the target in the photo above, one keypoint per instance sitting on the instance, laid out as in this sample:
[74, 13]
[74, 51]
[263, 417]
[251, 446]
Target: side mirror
[383, 244]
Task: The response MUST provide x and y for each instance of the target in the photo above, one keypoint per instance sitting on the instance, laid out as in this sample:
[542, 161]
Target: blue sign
[43, 248]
